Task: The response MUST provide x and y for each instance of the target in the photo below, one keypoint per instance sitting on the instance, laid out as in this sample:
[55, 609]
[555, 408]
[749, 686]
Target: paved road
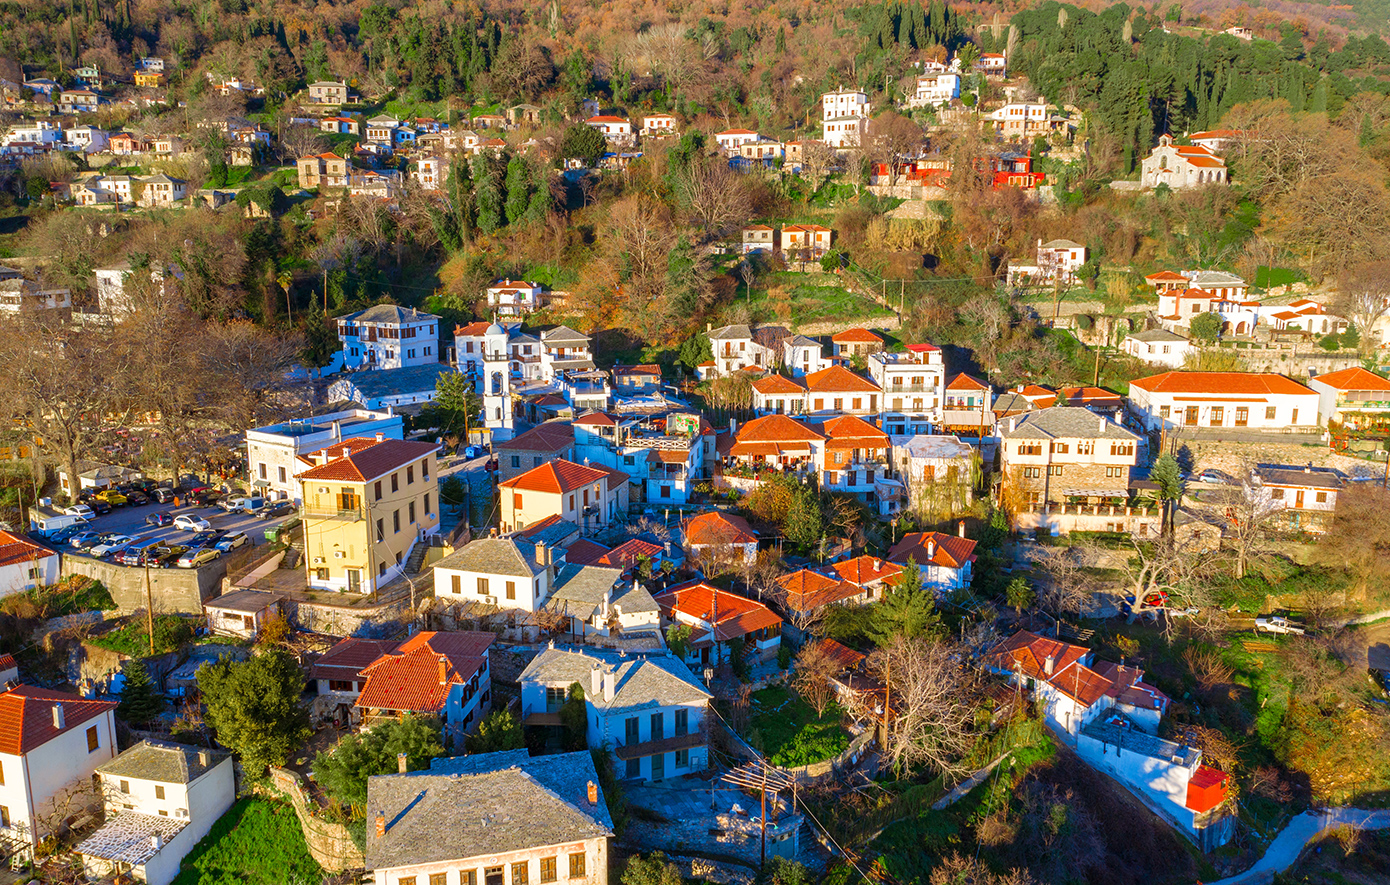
[1283, 852]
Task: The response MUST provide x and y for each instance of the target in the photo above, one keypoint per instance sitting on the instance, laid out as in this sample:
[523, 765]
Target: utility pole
[149, 604]
[1095, 380]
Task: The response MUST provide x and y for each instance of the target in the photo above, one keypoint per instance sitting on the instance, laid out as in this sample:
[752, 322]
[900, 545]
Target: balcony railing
[910, 388]
[331, 513]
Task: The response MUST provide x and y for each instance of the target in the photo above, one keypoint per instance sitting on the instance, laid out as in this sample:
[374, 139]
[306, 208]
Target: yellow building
[588, 496]
[149, 79]
[366, 503]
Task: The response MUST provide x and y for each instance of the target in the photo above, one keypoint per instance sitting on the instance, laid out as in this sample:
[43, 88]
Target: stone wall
[330, 844]
[175, 590]
[342, 620]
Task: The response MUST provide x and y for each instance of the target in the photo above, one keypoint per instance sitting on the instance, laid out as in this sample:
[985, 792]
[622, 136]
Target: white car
[231, 505]
[228, 543]
[111, 545]
[188, 523]
[1277, 624]
[198, 556]
[81, 510]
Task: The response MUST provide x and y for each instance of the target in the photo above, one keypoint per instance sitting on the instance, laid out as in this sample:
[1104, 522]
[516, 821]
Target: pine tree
[320, 342]
[487, 194]
[140, 702]
[908, 609]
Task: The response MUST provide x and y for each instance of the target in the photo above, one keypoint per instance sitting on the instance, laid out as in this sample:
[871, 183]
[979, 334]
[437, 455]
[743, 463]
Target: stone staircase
[294, 553]
[417, 557]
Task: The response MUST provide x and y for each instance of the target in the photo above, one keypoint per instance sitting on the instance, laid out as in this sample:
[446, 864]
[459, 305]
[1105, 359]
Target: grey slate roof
[1061, 244]
[1065, 422]
[1158, 336]
[643, 681]
[127, 837]
[486, 804]
[163, 761]
[1203, 279]
[390, 313]
[731, 333]
[244, 601]
[579, 589]
[1132, 740]
[494, 556]
[1316, 478]
[924, 445]
[562, 333]
[803, 341]
[387, 382]
[1012, 402]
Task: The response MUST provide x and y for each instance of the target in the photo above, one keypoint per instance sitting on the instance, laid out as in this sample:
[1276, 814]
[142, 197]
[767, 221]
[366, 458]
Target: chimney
[1013, 423]
[156, 841]
[204, 758]
[443, 670]
[878, 564]
[593, 793]
[960, 528]
[59, 722]
[1309, 468]
[1019, 389]
[733, 426]
[380, 825]
[609, 678]
[402, 763]
[931, 548]
[1102, 424]
[595, 681]
[337, 430]
[380, 437]
[709, 327]
[1048, 665]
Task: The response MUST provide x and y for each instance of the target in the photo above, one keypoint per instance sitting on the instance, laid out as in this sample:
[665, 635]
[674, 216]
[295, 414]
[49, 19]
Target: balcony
[322, 513]
[660, 746]
[910, 388]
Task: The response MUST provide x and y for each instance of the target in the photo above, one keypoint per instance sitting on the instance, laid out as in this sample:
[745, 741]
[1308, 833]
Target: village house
[1025, 120]
[967, 409]
[323, 170]
[658, 125]
[367, 502]
[779, 395]
[51, 743]
[513, 297]
[242, 613]
[149, 79]
[383, 130]
[648, 710]
[721, 537]
[1178, 307]
[774, 442]
[125, 144]
[802, 356]
[636, 380]
[599, 602]
[25, 565]
[161, 799]
[78, 101]
[855, 343]
[551, 441]
[1215, 140]
[730, 139]
[273, 452]
[1223, 399]
[738, 347]
[328, 92]
[912, 382]
[838, 391]
[166, 145]
[617, 130]
[844, 119]
[429, 172]
[388, 388]
[1067, 469]
[538, 819]
[30, 296]
[804, 594]
[387, 336]
[717, 618]
[938, 473]
[341, 125]
[160, 190]
[444, 675]
[992, 64]
[1181, 167]
[509, 572]
[591, 497]
[804, 242]
[1223, 285]
[1352, 399]
[757, 238]
[870, 577]
[383, 185]
[1302, 315]
[763, 150]
[947, 562]
[1057, 263]
[934, 90]
[339, 679]
[1158, 347]
[1307, 497]
[855, 457]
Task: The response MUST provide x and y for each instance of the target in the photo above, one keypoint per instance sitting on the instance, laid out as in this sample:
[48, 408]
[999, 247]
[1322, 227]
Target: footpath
[1283, 852]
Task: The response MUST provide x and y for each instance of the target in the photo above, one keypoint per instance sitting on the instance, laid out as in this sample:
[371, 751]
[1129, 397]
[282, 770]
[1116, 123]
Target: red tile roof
[585, 552]
[347, 659]
[1028, 653]
[606, 118]
[773, 384]
[1355, 378]
[629, 554]
[865, 570]
[364, 463]
[560, 476]
[772, 435]
[552, 436]
[842, 654]
[417, 676]
[644, 369]
[1205, 162]
[950, 551]
[719, 528]
[1090, 396]
[838, 378]
[806, 590]
[1229, 383]
[596, 419]
[26, 716]
[472, 330]
[732, 615]
[965, 382]
[853, 429]
[16, 549]
[856, 336]
[1166, 276]
[7, 662]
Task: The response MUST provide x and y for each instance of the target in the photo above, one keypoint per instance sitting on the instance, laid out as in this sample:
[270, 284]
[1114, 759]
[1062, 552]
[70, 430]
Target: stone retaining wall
[174, 590]
[330, 844]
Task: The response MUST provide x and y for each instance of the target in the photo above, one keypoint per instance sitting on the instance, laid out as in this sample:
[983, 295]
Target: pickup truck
[1277, 624]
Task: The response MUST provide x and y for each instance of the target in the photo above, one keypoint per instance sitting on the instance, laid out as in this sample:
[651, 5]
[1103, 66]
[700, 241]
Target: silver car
[198, 556]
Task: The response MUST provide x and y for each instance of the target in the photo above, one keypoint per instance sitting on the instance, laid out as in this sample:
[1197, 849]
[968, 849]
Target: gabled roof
[1029, 652]
[552, 436]
[807, 590]
[16, 549]
[839, 379]
[715, 527]
[26, 716]
[1158, 335]
[1061, 244]
[933, 548]
[1226, 383]
[778, 429]
[596, 419]
[966, 382]
[734, 332]
[164, 761]
[562, 333]
[367, 462]
[389, 314]
[856, 336]
[1166, 276]
[494, 556]
[851, 432]
[484, 805]
[560, 476]
[418, 675]
[865, 570]
[731, 615]
[1354, 378]
[641, 681]
[842, 654]
[777, 384]
[347, 659]
[1065, 422]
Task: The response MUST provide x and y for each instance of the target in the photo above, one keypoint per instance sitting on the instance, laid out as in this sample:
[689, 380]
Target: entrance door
[250, 622]
[659, 766]
[1192, 416]
[1298, 500]
[354, 577]
[493, 876]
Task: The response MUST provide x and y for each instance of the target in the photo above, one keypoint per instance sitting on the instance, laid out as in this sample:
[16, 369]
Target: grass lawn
[133, 638]
[790, 731]
[809, 298]
[257, 842]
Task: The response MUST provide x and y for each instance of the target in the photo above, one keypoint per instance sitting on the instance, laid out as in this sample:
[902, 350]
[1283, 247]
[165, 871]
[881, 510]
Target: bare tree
[932, 701]
[714, 197]
[818, 160]
[300, 141]
[1250, 508]
[1358, 540]
[1065, 587]
[813, 671]
[891, 138]
[1170, 572]
[1363, 296]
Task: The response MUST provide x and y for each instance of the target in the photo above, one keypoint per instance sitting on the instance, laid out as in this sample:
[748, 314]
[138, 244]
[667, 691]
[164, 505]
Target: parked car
[206, 497]
[81, 510]
[275, 510]
[232, 503]
[110, 544]
[197, 556]
[112, 497]
[101, 507]
[164, 495]
[60, 536]
[204, 539]
[84, 540]
[1213, 476]
[160, 517]
[166, 555]
[474, 452]
[135, 498]
[1278, 624]
[190, 523]
[228, 543]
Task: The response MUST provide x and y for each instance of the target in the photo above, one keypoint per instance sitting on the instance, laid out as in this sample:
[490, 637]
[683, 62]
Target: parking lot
[131, 521]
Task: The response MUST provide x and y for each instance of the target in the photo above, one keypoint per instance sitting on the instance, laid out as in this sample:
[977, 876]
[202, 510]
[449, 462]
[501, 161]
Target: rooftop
[1228, 383]
[244, 601]
[641, 681]
[26, 716]
[494, 556]
[560, 476]
[366, 463]
[165, 762]
[389, 382]
[389, 314]
[1065, 422]
[714, 528]
[128, 838]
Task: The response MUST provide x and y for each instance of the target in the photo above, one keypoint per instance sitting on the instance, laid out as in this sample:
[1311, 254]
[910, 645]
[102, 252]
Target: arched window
[1163, 162]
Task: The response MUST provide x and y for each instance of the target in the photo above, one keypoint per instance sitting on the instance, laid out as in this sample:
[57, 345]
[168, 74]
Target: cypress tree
[518, 189]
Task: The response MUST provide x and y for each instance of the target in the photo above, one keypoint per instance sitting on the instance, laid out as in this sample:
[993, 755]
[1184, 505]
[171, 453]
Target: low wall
[338, 620]
[818, 771]
[330, 844]
[175, 590]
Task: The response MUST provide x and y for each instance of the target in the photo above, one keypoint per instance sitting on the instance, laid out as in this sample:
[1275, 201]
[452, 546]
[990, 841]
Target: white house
[1158, 347]
[1223, 399]
[947, 562]
[387, 336]
[1057, 261]
[1181, 167]
[730, 139]
[615, 129]
[529, 819]
[913, 385]
[716, 618]
[272, 452]
[1177, 307]
[1305, 497]
[445, 675]
[803, 356]
[656, 125]
[735, 348]
[725, 535]
[1303, 314]
[1351, 397]
[513, 297]
[161, 799]
[935, 90]
[844, 118]
[598, 600]
[648, 709]
[242, 613]
[506, 572]
[50, 746]
[757, 238]
[937, 473]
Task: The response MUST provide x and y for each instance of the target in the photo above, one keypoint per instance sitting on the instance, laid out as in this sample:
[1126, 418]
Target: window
[410, 510]
[396, 521]
[439, 879]
[482, 586]
[378, 490]
[410, 474]
[1276, 493]
[92, 740]
[571, 502]
[395, 482]
[1122, 448]
[406, 880]
[1054, 470]
[577, 866]
[380, 532]
[682, 758]
[535, 461]
[1242, 416]
[658, 726]
[630, 731]
[333, 685]
[856, 404]
[1218, 416]
[633, 768]
[516, 500]
[516, 461]
[1269, 413]
[1113, 472]
[511, 589]
[158, 791]
[280, 474]
[554, 698]
[427, 504]
[468, 877]
[261, 468]
[125, 786]
[456, 583]
[1059, 448]
[682, 721]
[548, 871]
[4, 816]
[521, 873]
[1322, 499]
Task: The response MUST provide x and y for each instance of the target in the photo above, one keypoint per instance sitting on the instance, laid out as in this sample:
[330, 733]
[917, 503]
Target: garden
[787, 730]
[257, 842]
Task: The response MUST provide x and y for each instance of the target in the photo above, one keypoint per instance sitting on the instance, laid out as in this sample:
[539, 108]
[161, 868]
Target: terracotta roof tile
[1354, 378]
[733, 615]
[856, 336]
[369, 462]
[26, 716]
[719, 528]
[966, 382]
[347, 659]
[864, 570]
[552, 436]
[950, 551]
[777, 428]
[838, 378]
[842, 654]
[418, 675]
[560, 476]
[774, 384]
[17, 549]
[1247, 383]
